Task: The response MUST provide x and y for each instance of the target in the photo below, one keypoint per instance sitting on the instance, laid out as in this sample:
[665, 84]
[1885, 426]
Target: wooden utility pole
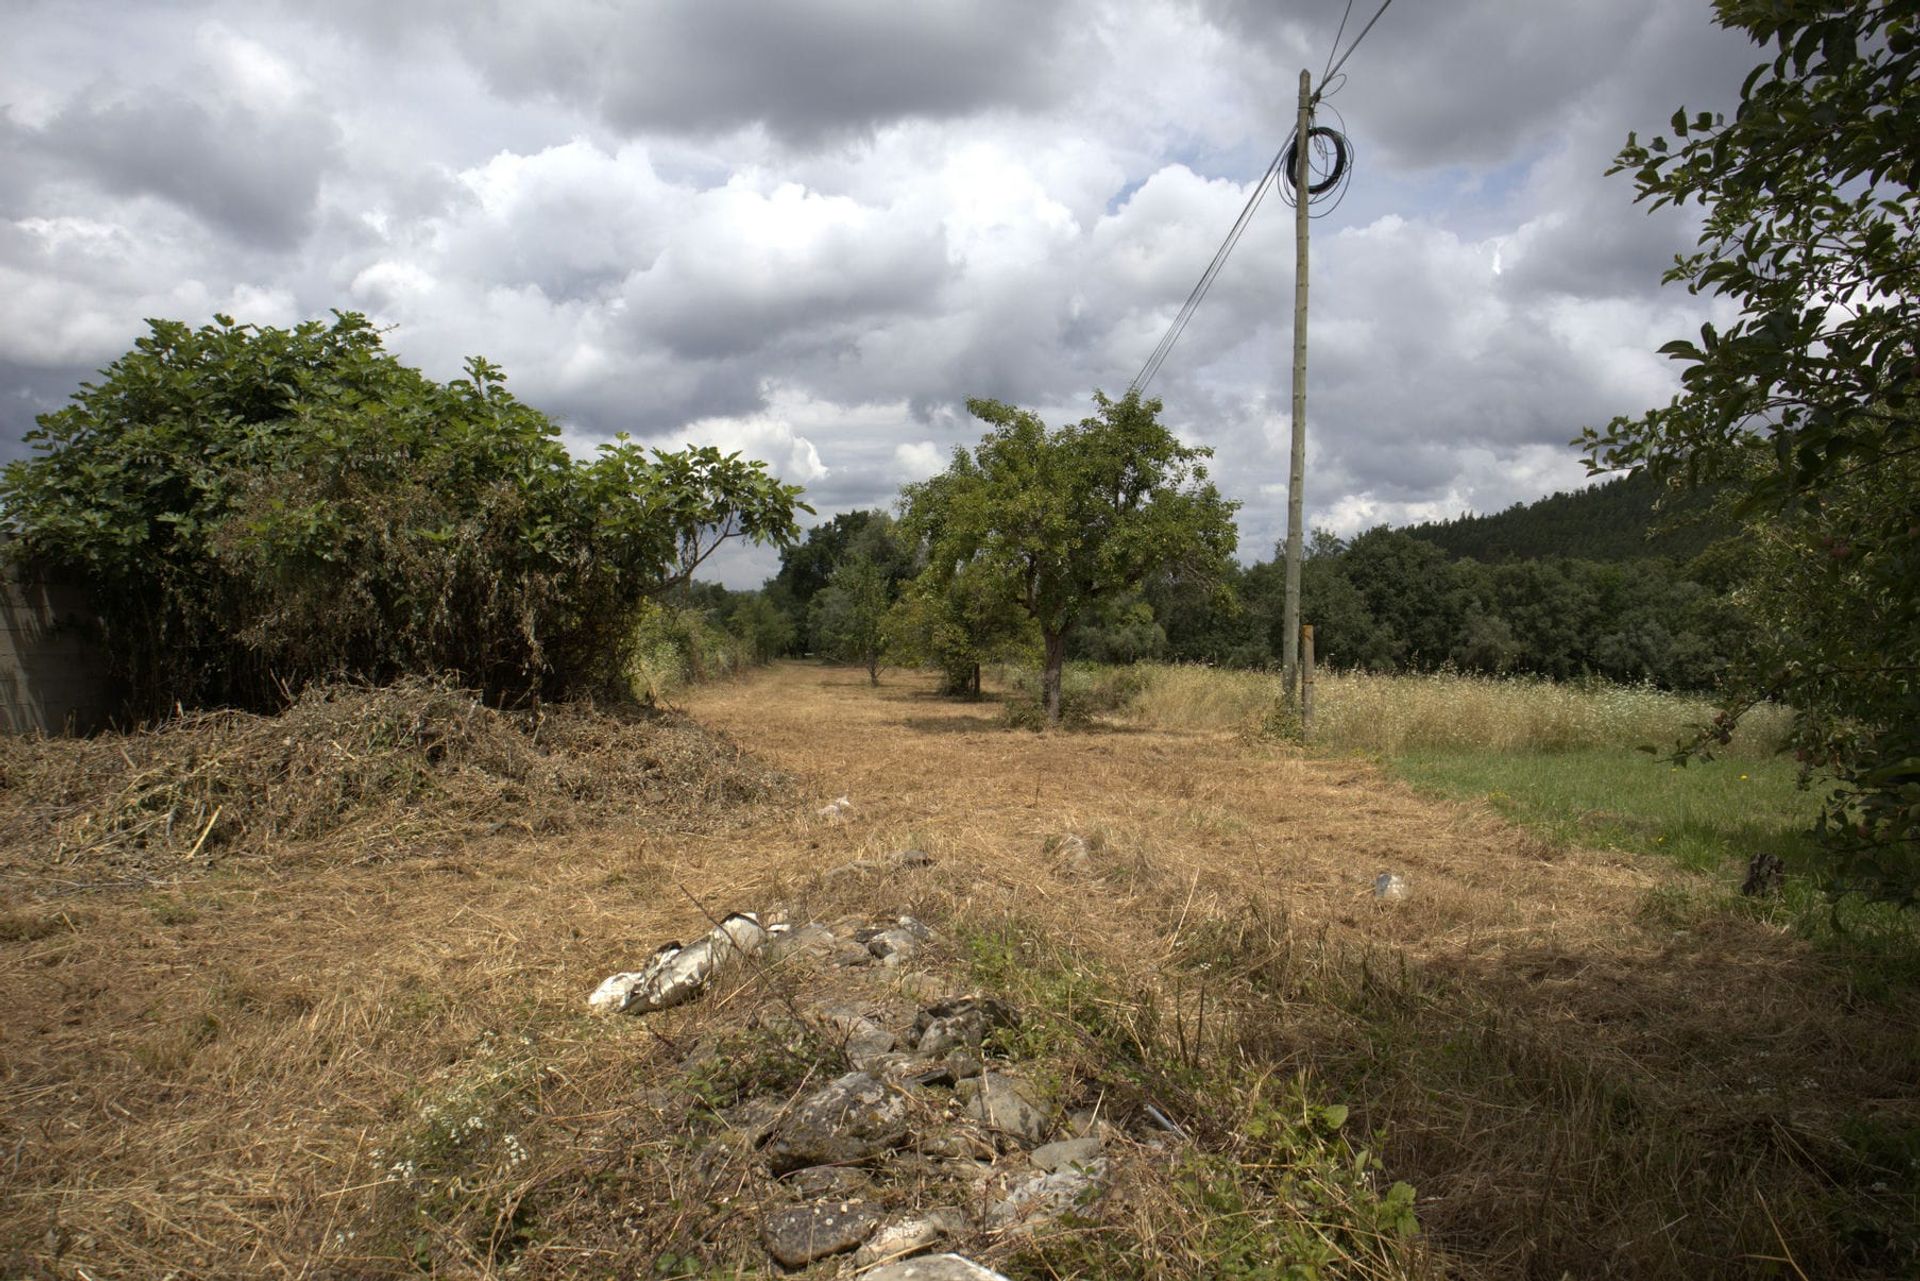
[1297, 470]
[1306, 680]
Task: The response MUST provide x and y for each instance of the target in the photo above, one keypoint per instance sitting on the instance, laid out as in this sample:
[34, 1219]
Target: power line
[1336, 45]
[1205, 283]
[1334, 69]
[1338, 170]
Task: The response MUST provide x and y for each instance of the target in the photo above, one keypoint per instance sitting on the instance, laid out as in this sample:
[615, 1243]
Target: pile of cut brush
[361, 771]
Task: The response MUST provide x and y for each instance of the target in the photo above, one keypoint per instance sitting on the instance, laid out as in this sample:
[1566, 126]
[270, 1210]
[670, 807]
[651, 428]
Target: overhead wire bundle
[1330, 155]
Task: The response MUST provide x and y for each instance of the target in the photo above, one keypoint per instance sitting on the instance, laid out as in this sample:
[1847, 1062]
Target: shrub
[259, 508]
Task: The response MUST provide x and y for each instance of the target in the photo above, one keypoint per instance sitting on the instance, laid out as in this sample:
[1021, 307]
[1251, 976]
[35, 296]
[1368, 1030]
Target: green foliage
[1627, 518]
[1804, 407]
[806, 567]
[761, 625]
[1061, 520]
[766, 1059]
[1270, 1185]
[673, 646]
[1392, 602]
[959, 622]
[849, 615]
[1087, 690]
[256, 508]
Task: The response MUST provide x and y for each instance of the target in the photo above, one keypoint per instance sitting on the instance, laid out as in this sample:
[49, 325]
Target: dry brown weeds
[216, 1076]
[357, 770]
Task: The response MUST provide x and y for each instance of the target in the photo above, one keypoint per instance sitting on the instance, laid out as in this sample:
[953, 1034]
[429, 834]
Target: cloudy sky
[810, 229]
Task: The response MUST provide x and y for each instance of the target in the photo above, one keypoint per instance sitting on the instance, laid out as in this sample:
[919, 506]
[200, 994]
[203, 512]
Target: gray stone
[1085, 1121]
[961, 1064]
[845, 1121]
[909, 1071]
[753, 1119]
[1005, 1104]
[914, 1235]
[828, 1182]
[1074, 854]
[898, 942]
[1042, 1198]
[961, 1021]
[904, 860]
[674, 975]
[863, 1040]
[849, 955]
[898, 948]
[811, 939]
[798, 1236]
[1066, 1153]
[1389, 886]
[934, 1267]
[924, 988]
[956, 1143]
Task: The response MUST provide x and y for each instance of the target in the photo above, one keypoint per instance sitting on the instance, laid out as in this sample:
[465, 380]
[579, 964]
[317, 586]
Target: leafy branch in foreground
[1805, 405]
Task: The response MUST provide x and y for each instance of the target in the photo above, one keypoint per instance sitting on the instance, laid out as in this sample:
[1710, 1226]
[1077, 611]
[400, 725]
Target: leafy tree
[255, 508]
[1631, 517]
[1410, 590]
[850, 614]
[959, 622]
[762, 625]
[1061, 520]
[1805, 405]
[1126, 629]
[806, 567]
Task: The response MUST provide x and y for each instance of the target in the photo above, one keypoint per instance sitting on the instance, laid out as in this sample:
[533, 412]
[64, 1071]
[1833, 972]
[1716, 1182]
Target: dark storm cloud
[803, 69]
[810, 231]
[1469, 82]
[251, 174]
[26, 392]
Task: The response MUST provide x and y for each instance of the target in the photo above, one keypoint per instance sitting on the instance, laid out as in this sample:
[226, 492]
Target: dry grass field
[218, 1059]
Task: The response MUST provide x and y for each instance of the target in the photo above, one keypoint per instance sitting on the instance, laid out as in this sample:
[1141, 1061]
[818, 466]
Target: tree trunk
[976, 680]
[873, 669]
[1050, 680]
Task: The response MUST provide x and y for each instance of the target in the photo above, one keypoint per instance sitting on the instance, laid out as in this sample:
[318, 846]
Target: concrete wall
[53, 676]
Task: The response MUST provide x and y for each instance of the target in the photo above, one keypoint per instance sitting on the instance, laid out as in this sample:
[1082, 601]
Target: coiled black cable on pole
[1335, 139]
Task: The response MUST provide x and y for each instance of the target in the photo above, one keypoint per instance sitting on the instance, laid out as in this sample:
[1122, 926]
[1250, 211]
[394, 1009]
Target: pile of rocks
[911, 1130]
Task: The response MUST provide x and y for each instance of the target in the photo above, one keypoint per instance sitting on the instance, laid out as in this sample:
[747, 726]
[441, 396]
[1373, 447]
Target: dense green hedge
[255, 508]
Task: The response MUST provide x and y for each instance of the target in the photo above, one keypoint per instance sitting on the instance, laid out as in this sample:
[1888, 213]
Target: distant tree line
[1388, 600]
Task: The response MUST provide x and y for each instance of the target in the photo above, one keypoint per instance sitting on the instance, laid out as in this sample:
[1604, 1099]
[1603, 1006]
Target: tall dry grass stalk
[1355, 711]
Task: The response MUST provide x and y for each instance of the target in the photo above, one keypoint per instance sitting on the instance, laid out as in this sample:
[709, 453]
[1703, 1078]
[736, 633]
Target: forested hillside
[1612, 521]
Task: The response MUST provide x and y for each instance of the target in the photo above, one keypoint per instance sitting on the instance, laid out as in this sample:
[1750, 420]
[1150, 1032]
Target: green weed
[1267, 1185]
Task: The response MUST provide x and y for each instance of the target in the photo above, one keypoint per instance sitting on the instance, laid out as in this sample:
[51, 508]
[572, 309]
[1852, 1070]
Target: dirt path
[1213, 823]
[1554, 1024]
[207, 1077]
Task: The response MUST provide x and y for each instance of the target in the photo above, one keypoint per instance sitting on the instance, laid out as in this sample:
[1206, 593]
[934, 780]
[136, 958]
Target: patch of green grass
[1709, 817]
[172, 909]
[1702, 816]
